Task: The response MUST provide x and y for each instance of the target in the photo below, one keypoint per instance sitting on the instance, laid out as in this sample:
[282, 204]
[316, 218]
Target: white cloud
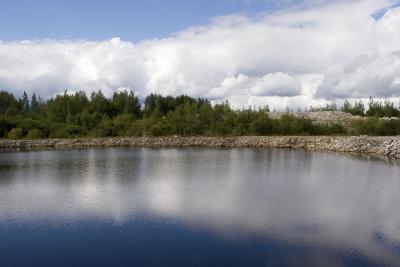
[229, 86]
[366, 76]
[276, 84]
[273, 57]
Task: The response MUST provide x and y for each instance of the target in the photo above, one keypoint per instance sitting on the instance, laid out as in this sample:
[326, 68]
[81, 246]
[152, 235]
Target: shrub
[105, 128]
[15, 133]
[68, 131]
[34, 134]
[261, 126]
[136, 128]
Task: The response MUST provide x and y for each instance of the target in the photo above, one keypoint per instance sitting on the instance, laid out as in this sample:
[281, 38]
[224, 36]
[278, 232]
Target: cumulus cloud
[229, 86]
[276, 84]
[294, 56]
[376, 76]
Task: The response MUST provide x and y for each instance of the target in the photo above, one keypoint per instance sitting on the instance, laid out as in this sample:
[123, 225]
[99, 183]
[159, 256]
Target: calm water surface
[197, 207]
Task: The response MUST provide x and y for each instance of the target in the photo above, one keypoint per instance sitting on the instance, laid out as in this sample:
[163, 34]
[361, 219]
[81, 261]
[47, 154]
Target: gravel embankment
[378, 146]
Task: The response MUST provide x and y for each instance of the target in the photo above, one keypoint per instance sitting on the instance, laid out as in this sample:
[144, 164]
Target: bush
[15, 133]
[34, 134]
[375, 126]
[156, 130]
[157, 127]
[122, 123]
[6, 124]
[105, 128]
[68, 131]
[136, 128]
[27, 124]
[261, 126]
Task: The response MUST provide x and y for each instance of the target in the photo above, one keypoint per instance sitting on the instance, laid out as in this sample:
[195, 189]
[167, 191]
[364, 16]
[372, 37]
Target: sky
[288, 53]
[129, 20]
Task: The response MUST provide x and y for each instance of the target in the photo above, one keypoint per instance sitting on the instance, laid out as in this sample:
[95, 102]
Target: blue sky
[99, 19]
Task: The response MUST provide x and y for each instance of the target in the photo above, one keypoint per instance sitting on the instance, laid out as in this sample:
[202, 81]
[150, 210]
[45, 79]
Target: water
[197, 207]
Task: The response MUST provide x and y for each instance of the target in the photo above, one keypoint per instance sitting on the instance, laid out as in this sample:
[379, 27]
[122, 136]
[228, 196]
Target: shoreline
[364, 145]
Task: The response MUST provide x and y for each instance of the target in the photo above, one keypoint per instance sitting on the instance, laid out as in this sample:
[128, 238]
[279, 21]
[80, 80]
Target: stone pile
[325, 117]
[321, 117]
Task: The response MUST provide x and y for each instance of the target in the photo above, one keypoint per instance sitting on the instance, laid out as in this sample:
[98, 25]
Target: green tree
[347, 107]
[127, 103]
[7, 103]
[24, 103]
[359, 109]
[99, 103]
[35, 105]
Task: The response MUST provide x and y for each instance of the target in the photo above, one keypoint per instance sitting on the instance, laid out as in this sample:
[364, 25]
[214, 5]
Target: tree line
[73, 115]
[374, 108]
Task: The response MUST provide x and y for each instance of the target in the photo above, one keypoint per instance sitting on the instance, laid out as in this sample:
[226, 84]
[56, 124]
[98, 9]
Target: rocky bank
[375, 146]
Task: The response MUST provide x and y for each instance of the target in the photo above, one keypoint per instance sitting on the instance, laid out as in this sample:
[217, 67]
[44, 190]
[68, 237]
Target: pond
[197, 207]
